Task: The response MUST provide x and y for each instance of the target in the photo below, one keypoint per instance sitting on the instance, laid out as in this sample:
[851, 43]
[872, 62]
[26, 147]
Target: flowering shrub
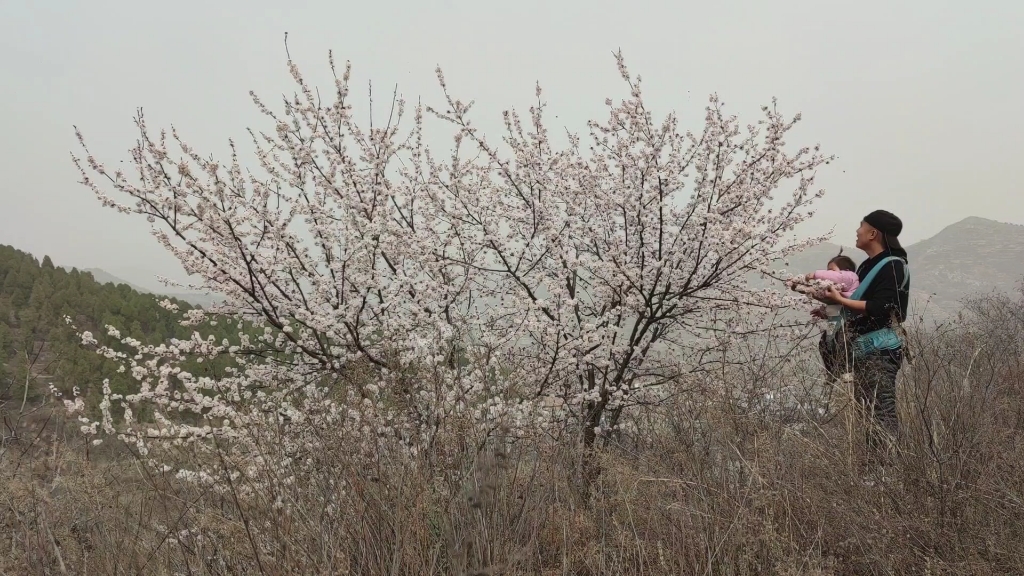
[382, 288]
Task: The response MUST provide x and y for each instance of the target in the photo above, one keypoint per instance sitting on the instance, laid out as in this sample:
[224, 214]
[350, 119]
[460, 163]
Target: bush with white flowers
[384, 288]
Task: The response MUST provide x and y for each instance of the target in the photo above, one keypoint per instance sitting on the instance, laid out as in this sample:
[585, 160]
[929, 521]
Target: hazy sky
[921, 100]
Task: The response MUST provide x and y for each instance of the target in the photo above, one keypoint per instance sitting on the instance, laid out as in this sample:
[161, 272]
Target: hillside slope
[973, 256]
[38, 349]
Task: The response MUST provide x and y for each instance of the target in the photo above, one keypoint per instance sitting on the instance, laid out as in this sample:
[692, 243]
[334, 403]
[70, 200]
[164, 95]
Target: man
[882, 304]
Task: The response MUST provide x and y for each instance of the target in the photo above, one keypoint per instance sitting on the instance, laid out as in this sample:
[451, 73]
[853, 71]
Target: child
[841, 272]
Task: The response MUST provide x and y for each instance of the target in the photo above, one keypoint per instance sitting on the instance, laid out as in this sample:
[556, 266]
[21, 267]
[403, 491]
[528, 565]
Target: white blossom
[502, 276]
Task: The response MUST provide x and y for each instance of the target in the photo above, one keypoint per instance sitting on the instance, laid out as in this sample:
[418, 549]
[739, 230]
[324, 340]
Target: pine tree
[34, 299]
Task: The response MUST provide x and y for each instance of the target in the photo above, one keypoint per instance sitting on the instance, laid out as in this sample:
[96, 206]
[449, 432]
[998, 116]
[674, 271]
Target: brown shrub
[706, 483]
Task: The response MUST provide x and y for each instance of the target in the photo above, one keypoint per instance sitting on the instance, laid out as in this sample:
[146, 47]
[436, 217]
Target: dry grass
[702, 485]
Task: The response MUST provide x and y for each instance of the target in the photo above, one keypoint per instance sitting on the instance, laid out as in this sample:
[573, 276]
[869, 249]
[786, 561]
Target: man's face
[866, 234]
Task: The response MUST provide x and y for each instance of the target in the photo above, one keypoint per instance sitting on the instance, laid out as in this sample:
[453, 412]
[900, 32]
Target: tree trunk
[590, 466]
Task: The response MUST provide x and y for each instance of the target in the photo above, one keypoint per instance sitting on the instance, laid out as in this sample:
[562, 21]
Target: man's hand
[819, 313]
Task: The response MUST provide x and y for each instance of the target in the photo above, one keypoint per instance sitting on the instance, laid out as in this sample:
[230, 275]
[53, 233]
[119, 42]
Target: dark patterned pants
[874, 384]
[874, 381]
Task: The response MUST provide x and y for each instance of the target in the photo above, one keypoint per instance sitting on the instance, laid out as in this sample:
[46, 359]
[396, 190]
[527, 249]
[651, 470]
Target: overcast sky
[921, 100]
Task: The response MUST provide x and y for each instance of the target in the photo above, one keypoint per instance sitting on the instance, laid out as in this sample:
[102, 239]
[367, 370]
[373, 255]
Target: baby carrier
[837, 342]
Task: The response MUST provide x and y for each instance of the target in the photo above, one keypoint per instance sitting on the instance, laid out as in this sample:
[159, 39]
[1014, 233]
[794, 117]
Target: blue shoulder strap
[859, 292]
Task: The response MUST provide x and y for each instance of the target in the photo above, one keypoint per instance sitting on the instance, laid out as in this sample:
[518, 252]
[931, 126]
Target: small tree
[593, 271]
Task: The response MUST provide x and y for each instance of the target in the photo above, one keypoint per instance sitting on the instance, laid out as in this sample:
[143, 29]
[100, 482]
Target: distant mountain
[103, 277]
[972, 256]
[193, 298]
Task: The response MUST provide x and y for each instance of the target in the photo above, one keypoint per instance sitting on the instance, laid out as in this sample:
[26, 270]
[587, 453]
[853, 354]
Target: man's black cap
[888, 224]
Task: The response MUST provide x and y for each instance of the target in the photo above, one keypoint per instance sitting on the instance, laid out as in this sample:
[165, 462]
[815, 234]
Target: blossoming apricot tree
[473, 282]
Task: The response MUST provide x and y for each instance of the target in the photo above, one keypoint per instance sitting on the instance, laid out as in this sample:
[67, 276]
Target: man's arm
[855, 305]
[884, 292]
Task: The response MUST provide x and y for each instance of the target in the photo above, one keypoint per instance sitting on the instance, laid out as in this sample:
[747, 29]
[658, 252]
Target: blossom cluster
[479, 283]
[811, 287]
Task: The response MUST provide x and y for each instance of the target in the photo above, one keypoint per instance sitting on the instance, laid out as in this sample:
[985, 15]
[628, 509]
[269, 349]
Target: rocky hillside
[972, 256]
